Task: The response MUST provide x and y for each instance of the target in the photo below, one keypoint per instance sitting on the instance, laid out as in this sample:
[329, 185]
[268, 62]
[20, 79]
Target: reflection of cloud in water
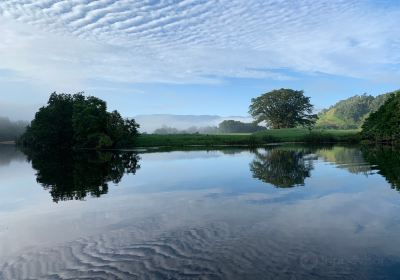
[163, 154]
[224, 239]
[229, 227]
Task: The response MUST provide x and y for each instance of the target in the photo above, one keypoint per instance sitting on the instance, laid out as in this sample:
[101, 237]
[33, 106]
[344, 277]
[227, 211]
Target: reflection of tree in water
[284, 168]
[387, 161]
[349, 158]
[72, 175]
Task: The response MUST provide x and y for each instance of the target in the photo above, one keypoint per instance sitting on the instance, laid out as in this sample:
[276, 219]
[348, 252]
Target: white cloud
[196, 41]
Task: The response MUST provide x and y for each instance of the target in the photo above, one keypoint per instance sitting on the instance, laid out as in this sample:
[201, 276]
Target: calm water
[287, 212]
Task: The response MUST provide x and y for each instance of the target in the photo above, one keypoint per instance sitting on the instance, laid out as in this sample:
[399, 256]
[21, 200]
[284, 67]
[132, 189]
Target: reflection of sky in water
[192, 214]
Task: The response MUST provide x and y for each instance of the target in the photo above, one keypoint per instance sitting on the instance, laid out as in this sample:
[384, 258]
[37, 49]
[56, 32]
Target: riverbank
[260, 138]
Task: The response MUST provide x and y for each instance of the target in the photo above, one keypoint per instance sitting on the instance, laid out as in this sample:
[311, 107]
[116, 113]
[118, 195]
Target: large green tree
[384, 124]
[52, 125]
[77, 121]
[283, 108]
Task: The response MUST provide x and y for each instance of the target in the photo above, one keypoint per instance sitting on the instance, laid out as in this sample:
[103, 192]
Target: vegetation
[384, 124]
[350, 113]
[314, 136]
[255, 139]
[11, 131]
[181, 140]
[283, 108]
[193, 129]
[227, 126]
[232, 126]
[76, 121]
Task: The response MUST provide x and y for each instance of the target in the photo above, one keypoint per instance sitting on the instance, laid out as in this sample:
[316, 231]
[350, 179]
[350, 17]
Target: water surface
[287, 212]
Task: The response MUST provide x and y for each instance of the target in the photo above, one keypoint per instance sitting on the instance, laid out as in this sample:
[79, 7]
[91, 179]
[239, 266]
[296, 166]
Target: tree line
[77, 121]
[226, 126]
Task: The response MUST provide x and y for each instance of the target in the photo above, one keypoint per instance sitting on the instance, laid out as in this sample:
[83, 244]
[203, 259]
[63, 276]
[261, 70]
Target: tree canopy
[283, 108]
[384, 124]
[77, 121]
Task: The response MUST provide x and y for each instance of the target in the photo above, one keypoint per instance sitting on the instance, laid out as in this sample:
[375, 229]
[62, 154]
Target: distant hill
[351, 112]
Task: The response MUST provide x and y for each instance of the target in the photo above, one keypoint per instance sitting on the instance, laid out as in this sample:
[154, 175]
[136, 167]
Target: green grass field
[259, 138]
[304, 135]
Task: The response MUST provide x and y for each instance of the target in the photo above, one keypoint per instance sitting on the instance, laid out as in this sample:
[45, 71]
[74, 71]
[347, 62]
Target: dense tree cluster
[351, 112]
[384, 124]
[283, 108]
[77, 121]
[232, 126]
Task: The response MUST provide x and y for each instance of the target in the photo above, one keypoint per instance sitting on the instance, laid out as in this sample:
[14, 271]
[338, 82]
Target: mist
[149, 123]
[11, 130]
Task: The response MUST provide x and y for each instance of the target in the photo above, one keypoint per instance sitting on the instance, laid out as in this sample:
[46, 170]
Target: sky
[194, 57]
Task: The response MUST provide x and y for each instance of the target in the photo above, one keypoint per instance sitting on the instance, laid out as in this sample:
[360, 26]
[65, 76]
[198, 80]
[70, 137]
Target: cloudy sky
[194, 56]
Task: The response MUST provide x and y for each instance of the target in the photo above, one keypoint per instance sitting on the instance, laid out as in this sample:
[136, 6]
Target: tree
[283, 108]
[77, 121]
[166, 130]
[384, 124]
[89, 122]
[52, 125]
[232, 126]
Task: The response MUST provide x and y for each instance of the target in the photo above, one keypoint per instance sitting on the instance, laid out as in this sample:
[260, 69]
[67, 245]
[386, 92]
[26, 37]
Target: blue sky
[194, 56]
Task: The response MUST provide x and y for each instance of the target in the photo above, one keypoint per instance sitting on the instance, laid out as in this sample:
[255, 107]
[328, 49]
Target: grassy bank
[316, 135]
[259, 138]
